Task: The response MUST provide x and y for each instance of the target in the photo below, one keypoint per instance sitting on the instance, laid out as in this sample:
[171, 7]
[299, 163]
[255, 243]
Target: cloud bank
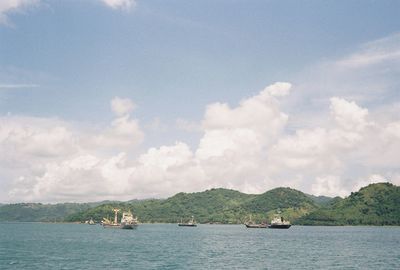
[244, 147]
[258, 144]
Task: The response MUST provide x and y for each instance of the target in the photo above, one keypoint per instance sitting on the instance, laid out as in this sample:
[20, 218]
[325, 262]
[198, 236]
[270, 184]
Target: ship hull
[128, 226]
[120, 226]
[111, 226]
[256, 226]
[187, 225]
[281, 226]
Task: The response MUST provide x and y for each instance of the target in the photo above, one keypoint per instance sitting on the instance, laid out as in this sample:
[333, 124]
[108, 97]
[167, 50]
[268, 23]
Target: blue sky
[67, 60]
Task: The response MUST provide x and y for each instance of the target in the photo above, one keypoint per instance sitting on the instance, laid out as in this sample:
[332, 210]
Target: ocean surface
[167, 246]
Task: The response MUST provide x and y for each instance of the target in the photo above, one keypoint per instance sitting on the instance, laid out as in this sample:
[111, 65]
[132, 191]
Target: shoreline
[205, 224]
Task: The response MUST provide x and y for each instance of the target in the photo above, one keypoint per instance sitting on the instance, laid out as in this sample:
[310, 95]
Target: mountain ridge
[220, 205]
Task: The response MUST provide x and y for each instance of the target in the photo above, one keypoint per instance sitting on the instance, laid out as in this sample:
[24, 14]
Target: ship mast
[116, 215]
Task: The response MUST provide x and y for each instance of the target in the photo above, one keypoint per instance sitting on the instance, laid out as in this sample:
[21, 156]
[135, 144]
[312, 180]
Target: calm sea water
[167, 246]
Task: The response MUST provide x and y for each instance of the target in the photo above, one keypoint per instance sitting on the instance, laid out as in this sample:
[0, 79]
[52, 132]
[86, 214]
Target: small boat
[279, 223]
[190, 223]
[127, 221]
[256, 226]
[250, 224]
[91, 222]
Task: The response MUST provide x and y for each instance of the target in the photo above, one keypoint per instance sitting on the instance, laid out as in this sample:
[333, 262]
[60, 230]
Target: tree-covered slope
[290, 202]
[40, 212]
[212, 206]
[376, 204]
[215, 205]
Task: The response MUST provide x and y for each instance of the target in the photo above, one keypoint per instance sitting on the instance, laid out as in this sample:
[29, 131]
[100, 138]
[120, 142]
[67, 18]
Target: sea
[167, 246]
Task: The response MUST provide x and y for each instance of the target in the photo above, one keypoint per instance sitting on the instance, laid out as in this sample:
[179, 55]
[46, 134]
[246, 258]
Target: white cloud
[374, 53]
[8, 6]
[244, 147]
[259, 115]
[186, 125]
[315, 152]
[374, 83]
[49, 158]
[36, 137]
[328, 186]
[123, 133]
[278, 89]
[120, 4]
[122, 106]
[348, 115]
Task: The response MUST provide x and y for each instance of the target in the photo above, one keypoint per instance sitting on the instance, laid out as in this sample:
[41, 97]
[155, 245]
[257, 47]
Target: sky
[134, 99]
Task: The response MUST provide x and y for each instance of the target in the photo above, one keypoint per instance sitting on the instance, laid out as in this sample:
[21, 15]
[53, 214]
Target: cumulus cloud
[230, 135]
[44, 154]
[123, 133]
[120, 4]
[122, 106]
[348, 115]
[259, 116]
[244, 147]
[278, 89]
[235, 139]
[36, 137]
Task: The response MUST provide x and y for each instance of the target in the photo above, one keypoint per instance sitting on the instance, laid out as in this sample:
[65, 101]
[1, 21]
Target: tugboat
[190, 223]
[279, 223]
[252, 225]
[127, 221]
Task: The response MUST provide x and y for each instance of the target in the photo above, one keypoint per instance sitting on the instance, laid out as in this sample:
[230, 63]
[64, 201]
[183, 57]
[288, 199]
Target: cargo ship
[128, 221]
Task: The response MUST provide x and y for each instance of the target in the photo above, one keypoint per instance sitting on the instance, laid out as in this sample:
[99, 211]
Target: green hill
[292, 203]
[322, 200]
[212, 206]
[376, 204]
[215, 205]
